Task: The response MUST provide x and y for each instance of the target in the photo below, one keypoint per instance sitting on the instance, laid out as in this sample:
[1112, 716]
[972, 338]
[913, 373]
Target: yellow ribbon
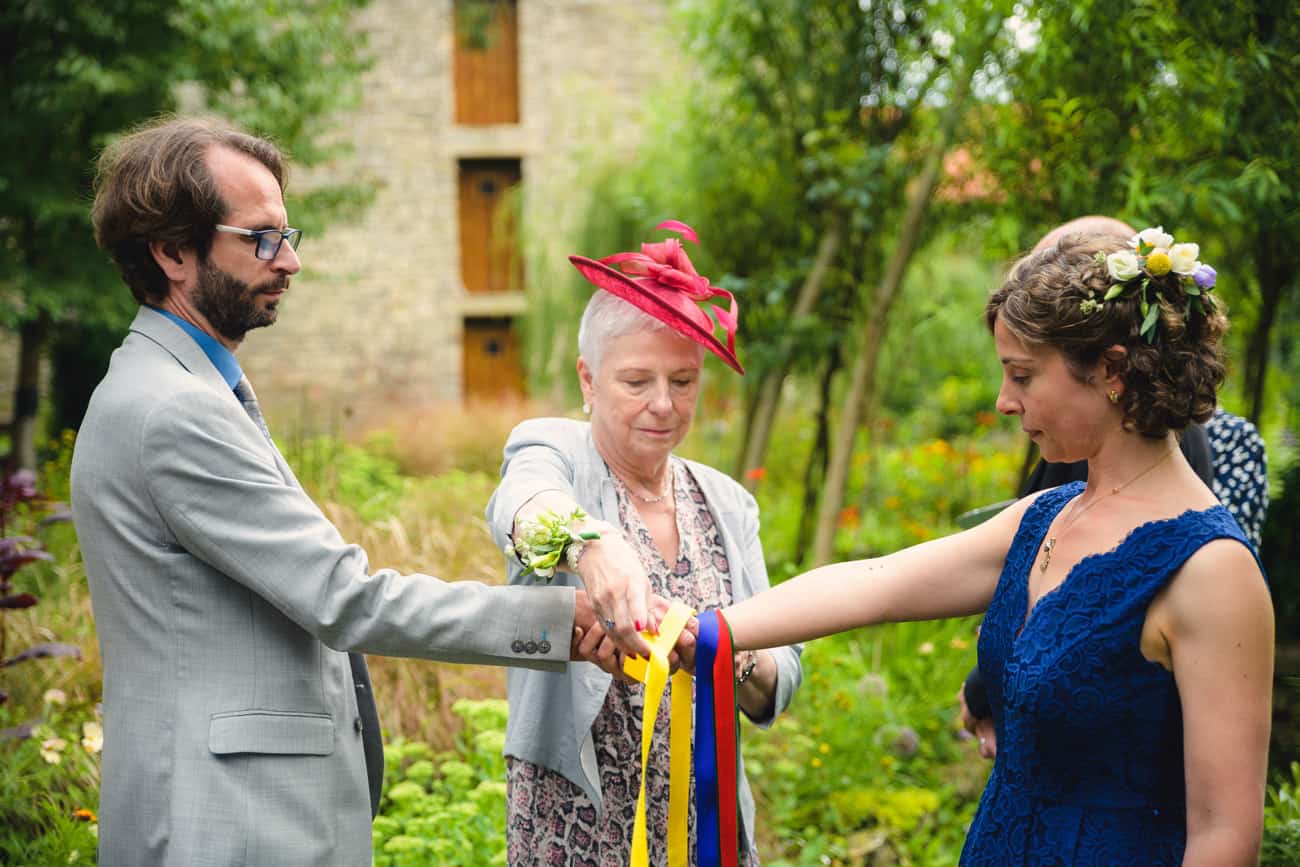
[654, 675]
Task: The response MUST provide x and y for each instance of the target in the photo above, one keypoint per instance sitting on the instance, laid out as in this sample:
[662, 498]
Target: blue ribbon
[707, 832]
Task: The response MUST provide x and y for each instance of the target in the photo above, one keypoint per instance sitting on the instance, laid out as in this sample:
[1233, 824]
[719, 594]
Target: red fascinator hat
[661, 281]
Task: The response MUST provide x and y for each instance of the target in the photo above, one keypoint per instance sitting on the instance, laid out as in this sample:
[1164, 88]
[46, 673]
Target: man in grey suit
[230, 612]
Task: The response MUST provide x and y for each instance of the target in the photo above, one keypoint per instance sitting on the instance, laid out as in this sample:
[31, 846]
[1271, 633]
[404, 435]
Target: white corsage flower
[1156, 237]
[1184, 258]
[1123, 265]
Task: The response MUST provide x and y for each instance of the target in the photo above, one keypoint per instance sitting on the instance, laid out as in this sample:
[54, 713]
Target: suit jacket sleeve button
[530, 647]
[356, 725]
[544, 647]
[517, 646]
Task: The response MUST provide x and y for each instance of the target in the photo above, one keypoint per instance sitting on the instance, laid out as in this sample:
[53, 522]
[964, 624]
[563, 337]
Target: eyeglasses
[268, 240]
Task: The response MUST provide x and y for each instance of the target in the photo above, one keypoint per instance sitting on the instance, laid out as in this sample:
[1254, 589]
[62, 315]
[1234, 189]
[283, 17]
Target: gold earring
[1113, 395]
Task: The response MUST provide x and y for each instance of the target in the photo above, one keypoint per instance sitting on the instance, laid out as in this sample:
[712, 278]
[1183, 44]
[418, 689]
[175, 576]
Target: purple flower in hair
[1205, 276]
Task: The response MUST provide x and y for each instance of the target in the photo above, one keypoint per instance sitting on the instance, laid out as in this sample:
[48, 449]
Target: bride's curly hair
[1168, 383]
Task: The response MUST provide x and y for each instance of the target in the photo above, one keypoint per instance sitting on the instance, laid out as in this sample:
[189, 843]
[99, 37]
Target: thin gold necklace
[1050, 544]
[663, 495]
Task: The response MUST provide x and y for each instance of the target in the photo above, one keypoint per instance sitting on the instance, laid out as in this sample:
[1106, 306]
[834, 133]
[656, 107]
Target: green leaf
[1148, 329]
[1114, 292]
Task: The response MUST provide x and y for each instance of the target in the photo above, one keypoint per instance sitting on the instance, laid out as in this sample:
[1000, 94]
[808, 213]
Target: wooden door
[491, 363]
[489, 254]
[486, 63]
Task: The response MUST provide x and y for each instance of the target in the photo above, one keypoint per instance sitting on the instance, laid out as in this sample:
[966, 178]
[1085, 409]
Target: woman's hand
[620, 591]
[615, 581]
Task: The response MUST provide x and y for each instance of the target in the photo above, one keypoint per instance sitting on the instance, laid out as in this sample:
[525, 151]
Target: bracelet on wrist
[748, 668]
[543, 539]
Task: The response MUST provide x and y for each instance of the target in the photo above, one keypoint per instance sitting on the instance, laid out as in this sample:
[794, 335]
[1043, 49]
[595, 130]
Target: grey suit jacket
[225, 603]
[551, 713]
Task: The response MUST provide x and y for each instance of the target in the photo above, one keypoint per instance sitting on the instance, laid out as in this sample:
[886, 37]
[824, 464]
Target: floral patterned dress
[549, 820]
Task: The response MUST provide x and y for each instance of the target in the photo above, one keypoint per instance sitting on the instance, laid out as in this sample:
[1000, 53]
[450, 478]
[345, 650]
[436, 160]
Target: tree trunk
[22, 432]
[861, 386]
[815, 470]
[759, 430]
[1272, 285]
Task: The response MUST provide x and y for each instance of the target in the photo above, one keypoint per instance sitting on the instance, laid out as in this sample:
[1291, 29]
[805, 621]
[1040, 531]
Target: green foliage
[49, 773]
[447, 808]
[869, 764]
[77, 74]
[1161, 112]
[50, 787]
[1282, 822]
[366, 477]
[1280, 551]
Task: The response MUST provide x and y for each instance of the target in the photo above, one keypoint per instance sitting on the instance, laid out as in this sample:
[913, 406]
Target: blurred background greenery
[860, 175]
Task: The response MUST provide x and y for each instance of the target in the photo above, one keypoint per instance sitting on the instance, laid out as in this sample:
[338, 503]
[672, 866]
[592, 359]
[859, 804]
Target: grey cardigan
[551, 713]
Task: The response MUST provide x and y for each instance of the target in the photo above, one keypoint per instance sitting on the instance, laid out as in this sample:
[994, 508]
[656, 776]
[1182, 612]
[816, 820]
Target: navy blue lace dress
[1089, 769]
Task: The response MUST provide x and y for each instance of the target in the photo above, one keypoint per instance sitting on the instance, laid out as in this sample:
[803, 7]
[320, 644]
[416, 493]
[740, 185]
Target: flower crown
[1153, 253]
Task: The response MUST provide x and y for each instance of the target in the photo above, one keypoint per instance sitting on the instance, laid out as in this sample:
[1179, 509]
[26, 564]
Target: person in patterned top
[1240, 470]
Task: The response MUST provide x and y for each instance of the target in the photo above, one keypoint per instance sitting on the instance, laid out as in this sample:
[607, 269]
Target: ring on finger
[609, 624]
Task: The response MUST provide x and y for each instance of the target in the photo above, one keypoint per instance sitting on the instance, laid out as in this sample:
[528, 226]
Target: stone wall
[374, 319]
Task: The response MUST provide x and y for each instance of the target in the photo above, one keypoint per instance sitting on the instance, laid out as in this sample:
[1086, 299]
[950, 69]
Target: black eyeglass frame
[267, 248]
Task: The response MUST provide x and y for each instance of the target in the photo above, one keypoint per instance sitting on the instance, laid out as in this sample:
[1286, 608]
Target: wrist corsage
[546, 537]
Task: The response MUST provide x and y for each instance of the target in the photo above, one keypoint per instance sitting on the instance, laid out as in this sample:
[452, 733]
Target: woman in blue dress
[1128, 641]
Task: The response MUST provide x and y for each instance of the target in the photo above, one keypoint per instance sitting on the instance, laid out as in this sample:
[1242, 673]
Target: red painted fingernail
[638, 626]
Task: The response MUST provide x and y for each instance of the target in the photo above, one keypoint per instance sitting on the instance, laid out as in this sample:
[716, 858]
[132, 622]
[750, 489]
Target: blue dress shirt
[221, 357]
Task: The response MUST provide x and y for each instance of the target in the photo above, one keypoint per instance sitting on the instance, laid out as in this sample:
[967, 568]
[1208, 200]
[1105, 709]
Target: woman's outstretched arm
[947, 577]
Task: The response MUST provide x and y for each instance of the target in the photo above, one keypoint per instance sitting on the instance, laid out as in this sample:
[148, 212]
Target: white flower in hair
[1156, 237]
[1123, 265]
[1184, 258]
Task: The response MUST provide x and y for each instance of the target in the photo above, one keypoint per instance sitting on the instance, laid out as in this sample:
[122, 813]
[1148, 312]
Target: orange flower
[984, 418]
[850, 517]
[84, 815]
[757, 474]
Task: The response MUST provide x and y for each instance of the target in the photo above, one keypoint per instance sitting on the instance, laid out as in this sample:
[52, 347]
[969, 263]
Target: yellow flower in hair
[1159, 263]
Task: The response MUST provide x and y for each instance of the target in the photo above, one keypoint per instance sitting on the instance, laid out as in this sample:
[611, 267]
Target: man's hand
[983, 729]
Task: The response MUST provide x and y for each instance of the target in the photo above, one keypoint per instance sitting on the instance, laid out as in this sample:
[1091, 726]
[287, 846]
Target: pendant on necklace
[1047, 554]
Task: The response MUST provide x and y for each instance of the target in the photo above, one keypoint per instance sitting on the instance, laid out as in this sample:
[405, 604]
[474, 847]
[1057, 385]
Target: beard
[230, 305]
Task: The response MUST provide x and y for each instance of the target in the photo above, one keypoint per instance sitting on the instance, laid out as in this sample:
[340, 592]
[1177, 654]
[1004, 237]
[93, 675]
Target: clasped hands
[593, 643]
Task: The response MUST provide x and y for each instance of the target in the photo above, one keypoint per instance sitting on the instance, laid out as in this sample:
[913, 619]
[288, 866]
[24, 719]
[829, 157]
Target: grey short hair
[607, 316]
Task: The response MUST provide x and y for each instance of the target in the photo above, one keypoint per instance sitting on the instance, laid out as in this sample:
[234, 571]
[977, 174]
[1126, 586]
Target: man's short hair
[153, 184]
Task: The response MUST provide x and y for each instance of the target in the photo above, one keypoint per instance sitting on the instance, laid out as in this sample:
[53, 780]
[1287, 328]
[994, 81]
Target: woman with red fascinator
[633, 522]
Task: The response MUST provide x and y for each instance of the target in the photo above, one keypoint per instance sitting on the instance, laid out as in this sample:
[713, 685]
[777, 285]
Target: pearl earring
[586, 408]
